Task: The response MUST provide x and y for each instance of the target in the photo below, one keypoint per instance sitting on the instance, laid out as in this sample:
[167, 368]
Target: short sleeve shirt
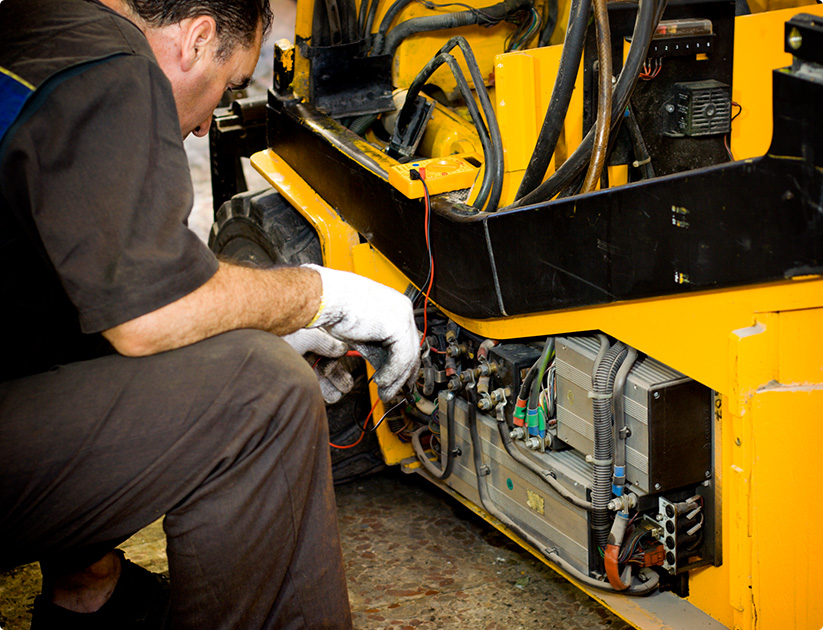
[95, 191]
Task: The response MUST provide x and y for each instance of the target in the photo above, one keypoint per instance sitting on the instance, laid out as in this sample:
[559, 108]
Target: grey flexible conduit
[602, 387]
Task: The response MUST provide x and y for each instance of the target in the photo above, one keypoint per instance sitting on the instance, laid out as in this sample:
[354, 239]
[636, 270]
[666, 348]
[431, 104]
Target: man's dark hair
[236, 20]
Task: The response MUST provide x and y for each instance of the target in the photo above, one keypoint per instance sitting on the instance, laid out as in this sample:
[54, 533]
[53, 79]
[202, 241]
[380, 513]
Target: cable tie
[598, 396]
[639, 163]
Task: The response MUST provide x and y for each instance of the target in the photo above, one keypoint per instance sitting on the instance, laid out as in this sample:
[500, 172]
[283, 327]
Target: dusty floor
[415, 560]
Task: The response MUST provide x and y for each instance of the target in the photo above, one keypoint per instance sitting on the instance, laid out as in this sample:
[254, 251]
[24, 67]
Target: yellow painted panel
[337, 238]
[758, 49]
[801, 347]
[787, 514]
[516, 91]
[709, 586]
[525, 80]
[371, 265]
[758, 6]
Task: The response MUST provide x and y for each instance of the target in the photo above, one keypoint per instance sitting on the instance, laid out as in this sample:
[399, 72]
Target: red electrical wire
[431, 259]
[362, 432]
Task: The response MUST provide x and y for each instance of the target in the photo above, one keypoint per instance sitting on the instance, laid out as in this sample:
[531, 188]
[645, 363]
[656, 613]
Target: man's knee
[260, 362]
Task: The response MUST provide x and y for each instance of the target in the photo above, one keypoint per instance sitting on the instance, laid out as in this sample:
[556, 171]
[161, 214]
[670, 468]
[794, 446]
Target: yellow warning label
[535, 501]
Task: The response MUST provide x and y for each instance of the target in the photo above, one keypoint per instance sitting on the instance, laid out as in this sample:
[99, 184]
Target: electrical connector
[654, 556]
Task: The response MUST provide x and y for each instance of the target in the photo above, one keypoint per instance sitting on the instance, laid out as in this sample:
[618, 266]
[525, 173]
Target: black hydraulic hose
[433, 470]
[602, 387]
[486, 15]
[549, 24]
[561, 96]
[385, 23]
[497, 166]
[465, 90]
[551, 554]
[362, 124]
[647, 18]
[603, 123]
[619, 480]
[365, 20]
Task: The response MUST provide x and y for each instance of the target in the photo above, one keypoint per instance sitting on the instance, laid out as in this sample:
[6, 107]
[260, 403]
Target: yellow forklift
[616, 274]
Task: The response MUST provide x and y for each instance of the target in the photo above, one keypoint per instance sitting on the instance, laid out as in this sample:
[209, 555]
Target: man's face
[197, 94]
[199, 85]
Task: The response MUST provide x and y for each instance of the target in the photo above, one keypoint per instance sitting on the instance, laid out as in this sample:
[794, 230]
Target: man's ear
[199, 37]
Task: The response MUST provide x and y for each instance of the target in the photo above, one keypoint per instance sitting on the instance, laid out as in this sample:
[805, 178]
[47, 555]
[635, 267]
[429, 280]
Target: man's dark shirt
[95, 189]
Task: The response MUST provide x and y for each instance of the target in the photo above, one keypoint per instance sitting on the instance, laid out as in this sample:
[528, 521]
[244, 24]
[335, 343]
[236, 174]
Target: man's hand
[335, 381]
[376, 321]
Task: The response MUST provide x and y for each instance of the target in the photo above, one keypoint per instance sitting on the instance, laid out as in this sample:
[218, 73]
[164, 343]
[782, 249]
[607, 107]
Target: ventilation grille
[702, 108]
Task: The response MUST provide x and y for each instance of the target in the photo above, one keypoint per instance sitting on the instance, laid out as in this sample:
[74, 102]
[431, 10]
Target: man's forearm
[277, 300]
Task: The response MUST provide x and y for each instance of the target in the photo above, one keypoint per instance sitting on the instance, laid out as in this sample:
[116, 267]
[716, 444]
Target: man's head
[204, 47]
[237, 21]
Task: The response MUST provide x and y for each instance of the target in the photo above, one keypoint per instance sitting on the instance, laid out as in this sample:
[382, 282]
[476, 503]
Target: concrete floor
[415, 560]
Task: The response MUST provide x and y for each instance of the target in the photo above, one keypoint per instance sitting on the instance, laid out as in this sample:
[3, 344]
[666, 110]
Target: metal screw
[670, 108]
[657, 486]
[708, 474]
[657, 394]
[737, 441]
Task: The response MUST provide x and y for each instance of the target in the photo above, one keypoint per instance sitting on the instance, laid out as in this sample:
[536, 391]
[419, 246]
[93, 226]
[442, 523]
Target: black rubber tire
[261, 228]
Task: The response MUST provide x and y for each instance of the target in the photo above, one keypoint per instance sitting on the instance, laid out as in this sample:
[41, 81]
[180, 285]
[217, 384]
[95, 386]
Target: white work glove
[335, 381]
[376, 321]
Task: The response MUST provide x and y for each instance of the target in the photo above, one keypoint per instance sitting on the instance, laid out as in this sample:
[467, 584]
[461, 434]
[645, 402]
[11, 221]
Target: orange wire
[362, 433]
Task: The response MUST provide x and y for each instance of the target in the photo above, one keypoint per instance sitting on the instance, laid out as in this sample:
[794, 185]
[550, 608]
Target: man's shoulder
[40, 38]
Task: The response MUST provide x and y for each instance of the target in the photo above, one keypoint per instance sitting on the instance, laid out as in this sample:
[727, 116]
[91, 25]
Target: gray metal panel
[561, 525]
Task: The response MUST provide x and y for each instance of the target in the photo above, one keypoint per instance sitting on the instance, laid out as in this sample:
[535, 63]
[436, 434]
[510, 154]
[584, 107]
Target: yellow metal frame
[759, 347]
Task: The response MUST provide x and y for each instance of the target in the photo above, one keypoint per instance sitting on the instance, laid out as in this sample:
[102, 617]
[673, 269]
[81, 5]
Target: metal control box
[668, 415]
